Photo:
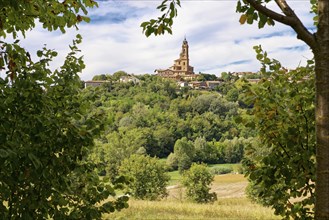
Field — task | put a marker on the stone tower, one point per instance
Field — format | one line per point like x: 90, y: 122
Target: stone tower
x: 181, y: 70
x: 184, y: 55
x: 181, y: 65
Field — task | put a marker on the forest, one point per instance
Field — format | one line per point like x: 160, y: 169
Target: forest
x: 157, y: 118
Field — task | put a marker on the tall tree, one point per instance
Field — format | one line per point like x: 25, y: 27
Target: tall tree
x: 285, y: 123
x: 257, y: 10
x: 46, y: 132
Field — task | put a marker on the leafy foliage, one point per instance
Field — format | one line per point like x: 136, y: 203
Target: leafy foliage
x: 45, y: 135
x: 205, y: 151
x: 46, y: 128
x: 250, y: 14
x: 184, y: 152
x: 148, y: 175
x: 154, y: 116
x: 232, y: 151
x: 19, y: 16
x: 282, y: 168
x: 197, y: 180
x: 172, y: 162
x: 164, y: 23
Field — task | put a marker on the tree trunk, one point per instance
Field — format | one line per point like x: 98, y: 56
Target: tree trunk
x: 322, y: 133
x: 322, y: 112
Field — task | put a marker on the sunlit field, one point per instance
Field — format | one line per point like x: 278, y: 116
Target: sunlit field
x: 231, y: 204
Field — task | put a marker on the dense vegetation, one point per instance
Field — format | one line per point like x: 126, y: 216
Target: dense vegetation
x: 148, y: 177
x: 157, y: 118
x: 46, y: 133
x: 282, y: 168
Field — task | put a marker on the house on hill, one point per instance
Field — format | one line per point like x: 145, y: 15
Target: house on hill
x: 129, y: 78
x: 181, y: 70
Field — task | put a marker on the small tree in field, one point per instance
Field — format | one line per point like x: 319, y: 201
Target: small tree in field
x: 148, y: 176
x: 197, y: 180
x: 184, y: 152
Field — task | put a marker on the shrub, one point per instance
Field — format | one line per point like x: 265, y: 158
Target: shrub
x: 184, y: 152
x: 184, y: 163
x: 197, y: 180
x: 172, y: 162
x: 148, y: 176
x: 205, y: 151
x: 221, y: 170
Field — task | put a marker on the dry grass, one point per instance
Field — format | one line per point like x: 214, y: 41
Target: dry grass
x: 232, y: 208
x: 229, y: 178
x: 231, y: 204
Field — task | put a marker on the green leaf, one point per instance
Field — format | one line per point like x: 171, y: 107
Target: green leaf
x: 86, y: 19
x: 36, y: 162
x: 4, y: 153
x: 39, y: 53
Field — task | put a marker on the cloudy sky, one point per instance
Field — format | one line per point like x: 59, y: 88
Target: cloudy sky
x: 113, y: 40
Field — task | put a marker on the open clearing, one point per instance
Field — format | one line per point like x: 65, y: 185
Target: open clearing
x: 232, y: 204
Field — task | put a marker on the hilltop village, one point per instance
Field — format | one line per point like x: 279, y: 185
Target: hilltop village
x: 182, y: 73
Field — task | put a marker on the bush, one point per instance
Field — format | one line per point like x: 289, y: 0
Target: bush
x: 172, y: 162
x: 205, y: 152
x: 148, y: 176
x: 221, y: 170
x: 197, y: 180
x: 184, y: 152
x: 184, y: 163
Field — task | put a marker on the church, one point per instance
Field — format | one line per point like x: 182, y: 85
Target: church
x: 181, y: 70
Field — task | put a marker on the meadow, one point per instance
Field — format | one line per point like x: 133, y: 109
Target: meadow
x: 232, y: 203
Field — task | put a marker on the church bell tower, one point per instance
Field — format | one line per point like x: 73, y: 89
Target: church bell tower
x: 184, y: 59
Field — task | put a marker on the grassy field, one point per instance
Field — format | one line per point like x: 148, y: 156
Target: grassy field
x: 175, y: 175
x: 231, y: 204
x: 226, y: 165
x: 230, y: 208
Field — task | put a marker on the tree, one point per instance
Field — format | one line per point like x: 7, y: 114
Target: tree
x: 149, y: 178
x: 318, y: 42
x: 205, y: 152
x: 163, y: 142
x: 232, y: 95
x: 207, y: 77
x: 280, y: 177
x: 99, y: 77
x: 197, y: 180
x: 46, y: 132
x: 184, y: 152
x: 172, y: 162
x: 116, y: 76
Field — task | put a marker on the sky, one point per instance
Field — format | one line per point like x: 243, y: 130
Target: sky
x: 114, y: 41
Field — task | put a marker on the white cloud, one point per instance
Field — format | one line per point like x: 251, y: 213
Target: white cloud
x: 114, y: 40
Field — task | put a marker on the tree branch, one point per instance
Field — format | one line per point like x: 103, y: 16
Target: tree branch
x: 289, y: 18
